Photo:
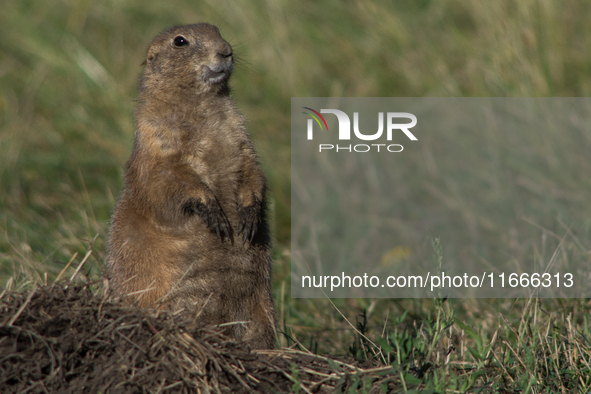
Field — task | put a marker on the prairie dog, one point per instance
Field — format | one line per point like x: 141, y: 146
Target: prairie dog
x: 189, y: 231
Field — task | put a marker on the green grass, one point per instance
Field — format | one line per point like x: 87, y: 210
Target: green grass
x: 68, y: 77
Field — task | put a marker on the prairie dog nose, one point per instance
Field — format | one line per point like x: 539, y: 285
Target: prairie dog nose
x: 225, y: 50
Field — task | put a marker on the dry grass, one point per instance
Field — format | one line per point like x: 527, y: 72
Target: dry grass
x: 70, y: 338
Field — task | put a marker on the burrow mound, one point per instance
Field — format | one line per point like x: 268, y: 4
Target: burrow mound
x: 71, y: 339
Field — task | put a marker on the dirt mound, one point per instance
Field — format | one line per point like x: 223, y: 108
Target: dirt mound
x: 69, y: 338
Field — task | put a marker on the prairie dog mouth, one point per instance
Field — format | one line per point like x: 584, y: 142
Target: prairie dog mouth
x: 218, y: 74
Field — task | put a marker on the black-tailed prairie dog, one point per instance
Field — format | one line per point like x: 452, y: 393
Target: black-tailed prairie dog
x: 189, y: 231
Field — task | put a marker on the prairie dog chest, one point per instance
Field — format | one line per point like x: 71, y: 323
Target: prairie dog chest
x: 216, y: 155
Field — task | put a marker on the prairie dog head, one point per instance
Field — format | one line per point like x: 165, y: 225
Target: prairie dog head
x: 187, y: 60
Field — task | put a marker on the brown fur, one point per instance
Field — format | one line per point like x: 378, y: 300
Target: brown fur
x: 189, y: 231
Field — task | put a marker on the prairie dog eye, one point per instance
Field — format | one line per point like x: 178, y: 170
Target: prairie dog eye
x: 180, y: 41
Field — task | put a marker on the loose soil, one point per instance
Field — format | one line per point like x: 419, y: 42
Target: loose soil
x: 69, y: 338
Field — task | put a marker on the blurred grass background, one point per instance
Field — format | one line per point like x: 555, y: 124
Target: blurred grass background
x: 69, y: 70
x: 68, y: 78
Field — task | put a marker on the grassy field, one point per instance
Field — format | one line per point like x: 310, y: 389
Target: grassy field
x: 68, y: 78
